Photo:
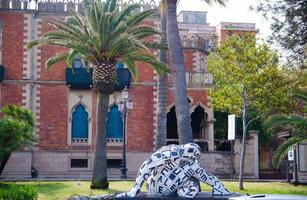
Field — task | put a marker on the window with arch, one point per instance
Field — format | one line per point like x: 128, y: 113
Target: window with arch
x: 79, y: 125
x: 198, y: 123
x: 114, y: 124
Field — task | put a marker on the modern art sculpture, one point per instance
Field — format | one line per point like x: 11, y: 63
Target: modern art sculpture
x: 172, y: 170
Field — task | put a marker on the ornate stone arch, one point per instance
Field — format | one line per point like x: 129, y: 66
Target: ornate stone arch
x: 76, y: 98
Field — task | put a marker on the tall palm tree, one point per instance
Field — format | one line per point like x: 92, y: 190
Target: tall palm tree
x: 103, y: 36
x: 296, y: 124
x: 162, y: 86
x: 178, y: 72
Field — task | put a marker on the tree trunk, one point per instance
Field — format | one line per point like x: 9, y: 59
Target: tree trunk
x: 243, y: 150
x: 3, y: 162
x: 100, y: 179
x: 178, y: 72
x: 162, y: 87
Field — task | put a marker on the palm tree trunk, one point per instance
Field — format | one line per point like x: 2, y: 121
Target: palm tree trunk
x: 243, y: 151
x: 3, y: 162
x: 162, y: 87
x: 178, y: 72
x: 100, y: 179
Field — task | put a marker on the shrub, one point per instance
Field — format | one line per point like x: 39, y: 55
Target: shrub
x: 18, y: 192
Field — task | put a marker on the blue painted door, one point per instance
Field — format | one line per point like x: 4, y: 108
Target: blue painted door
x: 114, y: 123
x: 80, y: 122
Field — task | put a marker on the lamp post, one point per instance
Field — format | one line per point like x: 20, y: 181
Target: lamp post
x: 124, y: 106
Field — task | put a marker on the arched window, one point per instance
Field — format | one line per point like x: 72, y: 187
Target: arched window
x: 198, y: 122
x: 79, y: 125
x: 114, y: 123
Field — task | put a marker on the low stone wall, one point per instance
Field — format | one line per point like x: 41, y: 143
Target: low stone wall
x: 56, y: 164
x: 18, y: 166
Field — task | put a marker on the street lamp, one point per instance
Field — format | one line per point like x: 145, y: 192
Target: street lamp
x: 124, y: 106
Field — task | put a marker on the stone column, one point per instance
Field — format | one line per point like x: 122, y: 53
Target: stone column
x: 210, y: 129
x: 254, y: 136
x: 251, y: 163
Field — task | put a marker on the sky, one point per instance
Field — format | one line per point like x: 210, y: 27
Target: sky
x: 235, y: 11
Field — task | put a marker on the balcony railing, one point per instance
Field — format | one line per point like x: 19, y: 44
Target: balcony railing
x: 195, y: 42
x: 80, y: 78
x: 196, y: 80
x: 1, y: 73
x: 79, y: 140
x: 114, y: 141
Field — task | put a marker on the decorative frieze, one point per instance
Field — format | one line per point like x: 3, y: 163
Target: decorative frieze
x: 65, y: 6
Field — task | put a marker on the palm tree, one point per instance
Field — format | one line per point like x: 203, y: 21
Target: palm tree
x: 103, y: 36
x: 162, y: 86
x: 178, y: 72
x: 296, y: 124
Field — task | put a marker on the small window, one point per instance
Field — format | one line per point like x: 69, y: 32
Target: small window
x: 114, y: 163
x: 79, y: 163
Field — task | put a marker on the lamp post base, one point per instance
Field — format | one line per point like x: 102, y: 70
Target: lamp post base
x: 123, y: 173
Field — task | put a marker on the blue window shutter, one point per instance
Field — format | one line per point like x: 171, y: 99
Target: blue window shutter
x: 79, y: 122
x: 114, y: 123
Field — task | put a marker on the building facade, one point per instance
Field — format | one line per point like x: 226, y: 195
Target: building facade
x: 64, y: 104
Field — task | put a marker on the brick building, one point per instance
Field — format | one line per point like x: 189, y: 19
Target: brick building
x: 64, y: 104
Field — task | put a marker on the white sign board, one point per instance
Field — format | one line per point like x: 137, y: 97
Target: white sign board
x: 291, y: 154
x: 231, y: 127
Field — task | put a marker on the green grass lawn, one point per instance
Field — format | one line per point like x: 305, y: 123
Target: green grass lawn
x: 61, y: 190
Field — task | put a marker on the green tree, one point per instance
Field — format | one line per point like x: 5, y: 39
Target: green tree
x: 289, y: 26
x: 178, y: 72
x: 16, y: 131
x: 247, y: 78
x: 103, y: 36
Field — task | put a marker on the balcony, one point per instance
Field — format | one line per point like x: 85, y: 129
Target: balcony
x: 80, y: 78
x: 1, y: 73
x: 123, y: 79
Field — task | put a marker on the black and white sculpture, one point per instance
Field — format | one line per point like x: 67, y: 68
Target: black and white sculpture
x: 169, y: 170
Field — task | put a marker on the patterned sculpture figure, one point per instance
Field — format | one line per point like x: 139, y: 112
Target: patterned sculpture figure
x: 170, y: 170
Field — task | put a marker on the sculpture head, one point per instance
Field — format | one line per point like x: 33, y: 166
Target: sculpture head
x: 190, y: 151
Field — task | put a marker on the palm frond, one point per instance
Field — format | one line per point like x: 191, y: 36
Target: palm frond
x: 104, y: 34
x: 133, y: 69
x: 139, y: 17
x: 293, y: 122
x: 71, y: 57
x: 161, y: 68
x: 283, y: 149
x: 56, y: 59
x: 300, y: 95
x: 156, y: 45
x: 221, y: 2
x: 121, y: 16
